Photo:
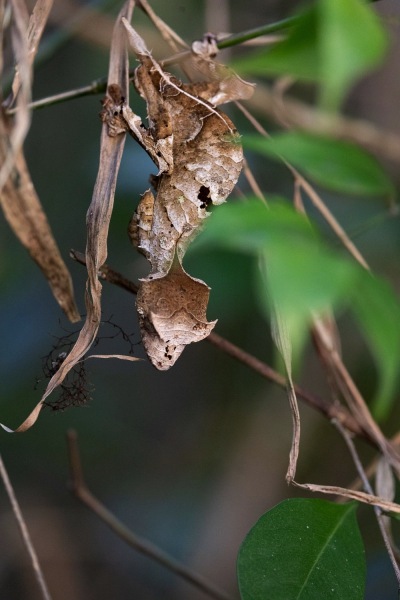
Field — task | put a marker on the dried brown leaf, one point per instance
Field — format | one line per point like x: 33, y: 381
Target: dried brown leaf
x: 33, y: 34
x: 25, y: 215
x: 196, y: 149
x: 18, y: 198
x: 172, y: 313
x: 16, y: 134
x: 98, y: 218
x: 26, y: 34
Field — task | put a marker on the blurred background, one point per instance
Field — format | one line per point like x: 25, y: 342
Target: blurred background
x: 188, y: 458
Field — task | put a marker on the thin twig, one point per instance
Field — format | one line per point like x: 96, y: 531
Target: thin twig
x: 384, y: 143
x: 81, y: 491
x: 370, y: 470
x: 24, y: 532
x: 251, y: 180
x: 331, y: 411
x: 167, y: 33
x: 240, y: 38
x: 360, y: 410
x: 331, y: 220
x: 263, y: 369
x: 99, y: 86
x: 368, y: 488
x: 237, y: 38
x: 234, y: 40
x: 96, y: 87
x: 311, y: 193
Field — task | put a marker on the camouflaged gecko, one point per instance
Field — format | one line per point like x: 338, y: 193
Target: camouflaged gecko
x: 197, y: 151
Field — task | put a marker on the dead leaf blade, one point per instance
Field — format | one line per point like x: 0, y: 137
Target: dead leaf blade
x: 34, y: 31
x: 201, y: 160
x: 98, y: 218
x: 24, y: 213
x: 12, y: 142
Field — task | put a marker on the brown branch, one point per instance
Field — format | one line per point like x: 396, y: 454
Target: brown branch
x: 24, y: 532
x: 331, y: 411
x: 81, y: 491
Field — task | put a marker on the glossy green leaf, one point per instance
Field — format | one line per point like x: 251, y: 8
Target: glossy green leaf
x: 337, y: 165
x: 303, y: 549
x: 302, y: 277
x: 333, y: 43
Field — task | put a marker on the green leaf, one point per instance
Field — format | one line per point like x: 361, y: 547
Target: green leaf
x: 303, y: 549
x: 296, y: 56
x: 333, y: 43
x: 337, y: 165
x: 247, y: 226
x: 378, y: 312
x: 351, y: 43
x: 303, y: 277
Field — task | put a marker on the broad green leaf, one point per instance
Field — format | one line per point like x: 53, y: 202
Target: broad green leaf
x: 337, y: 165
x: 303, y: 277
x: 248, y: 225
x: 351, y: 43
x: 303, y: 549
x: 333, y: 43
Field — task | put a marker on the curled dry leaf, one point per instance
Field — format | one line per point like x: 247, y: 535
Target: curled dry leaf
x: 199, y: 159
x: 26, y: 217
x: 98, y: 219
x: 32, y: 36
x: 22, y: 83
x: 26, y: 32
x: 18, y: 198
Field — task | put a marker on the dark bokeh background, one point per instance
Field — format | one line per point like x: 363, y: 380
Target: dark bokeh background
x: 192, y: 457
